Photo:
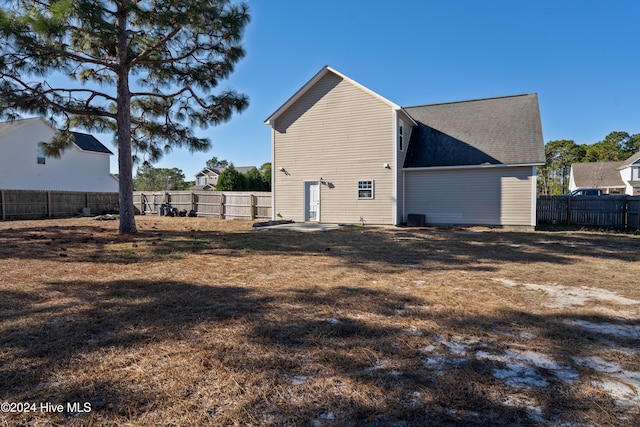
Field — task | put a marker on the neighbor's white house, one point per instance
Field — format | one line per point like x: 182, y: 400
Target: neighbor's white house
x: 344, y: 154
x: 612, y: 177
x: 23, y: 166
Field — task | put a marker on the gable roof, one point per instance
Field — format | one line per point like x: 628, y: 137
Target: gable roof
x: 496, y: 131
x: 631, y: 160
x: 88, y: 142
x: 218, y: 171
x: 324, y: 71
x: 12, y: 125
x: 208, y: 172
x: 597, y: 174
x: 83, y: 141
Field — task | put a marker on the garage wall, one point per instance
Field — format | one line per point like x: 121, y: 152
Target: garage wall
x: 484, y: 196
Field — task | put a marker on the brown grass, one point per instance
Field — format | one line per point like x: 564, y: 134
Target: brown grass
x: 204, y: 322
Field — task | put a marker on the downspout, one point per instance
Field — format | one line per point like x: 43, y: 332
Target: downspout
x: 404, y: 195
x: 273, y: 169
x: 534, y: 198
x: 394, y: 218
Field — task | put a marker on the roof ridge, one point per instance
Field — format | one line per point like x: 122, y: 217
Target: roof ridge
x: 472, y: 100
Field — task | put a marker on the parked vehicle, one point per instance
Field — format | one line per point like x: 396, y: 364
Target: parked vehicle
x: 586, y: 192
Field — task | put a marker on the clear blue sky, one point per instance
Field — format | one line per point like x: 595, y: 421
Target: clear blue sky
x: 582, y: 58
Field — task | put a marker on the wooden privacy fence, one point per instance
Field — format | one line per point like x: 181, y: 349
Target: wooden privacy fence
x: 610, y: 211
x: 28, y: 204
x: 218, y: 204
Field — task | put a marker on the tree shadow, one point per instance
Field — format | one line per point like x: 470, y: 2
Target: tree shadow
x: 386, y: 249
x: 314, y: 356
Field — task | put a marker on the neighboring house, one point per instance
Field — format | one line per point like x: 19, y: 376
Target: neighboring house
x: 207, y: 179
x: 23, y: 166
x: 344, y: 154
x: 612, y: 177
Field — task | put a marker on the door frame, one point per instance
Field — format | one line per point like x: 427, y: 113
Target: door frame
x: 307, y: 200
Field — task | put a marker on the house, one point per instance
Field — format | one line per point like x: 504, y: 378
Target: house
x: 207, y: 178
x: 23, y: 166
x: 613, y: 177
x: 344, y: 154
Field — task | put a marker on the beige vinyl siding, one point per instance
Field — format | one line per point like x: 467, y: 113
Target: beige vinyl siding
x: 484, y: 196
x: 400, y: 156
x: 343, y: 134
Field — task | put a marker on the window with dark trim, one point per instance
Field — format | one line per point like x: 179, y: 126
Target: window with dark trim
x: 41, y: 159
x: 401, y: 136
x: 365, y: 189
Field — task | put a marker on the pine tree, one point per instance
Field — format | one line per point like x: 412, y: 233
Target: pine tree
x: 178, y: 51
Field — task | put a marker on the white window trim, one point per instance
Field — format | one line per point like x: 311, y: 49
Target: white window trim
x: 373, y: 189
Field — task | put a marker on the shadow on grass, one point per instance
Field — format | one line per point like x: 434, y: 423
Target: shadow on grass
x: 141, y: 352
x: 385, y: 249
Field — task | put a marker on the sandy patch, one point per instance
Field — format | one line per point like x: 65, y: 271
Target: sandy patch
x: 621, y: 384
x: 560, y: 296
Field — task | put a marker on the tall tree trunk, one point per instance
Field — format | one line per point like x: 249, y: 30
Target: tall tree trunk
x: 125, y: 160
x: 123, y: 120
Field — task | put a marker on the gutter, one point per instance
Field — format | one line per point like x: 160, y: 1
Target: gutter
x: 482, y: 166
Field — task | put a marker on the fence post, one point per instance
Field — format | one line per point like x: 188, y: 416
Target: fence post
x: 252, y: 202
x: 193, y: 201
x: 2, y: 202
x: 222, y: 200
x: 49, y: 203
x: 568, y: 210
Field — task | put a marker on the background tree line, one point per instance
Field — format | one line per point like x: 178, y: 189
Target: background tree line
x: 149, y: 178
x: 553, y: 177
x: 253, y: 180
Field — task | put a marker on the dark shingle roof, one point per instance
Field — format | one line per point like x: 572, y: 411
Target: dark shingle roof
x: 89, y: 143
x: 504, y: 130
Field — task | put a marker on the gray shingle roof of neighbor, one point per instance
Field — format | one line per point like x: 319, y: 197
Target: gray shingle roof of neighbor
x: 598, y: 174
x: 504, y: 130
x: 601, y: 174
x: 88, y: 142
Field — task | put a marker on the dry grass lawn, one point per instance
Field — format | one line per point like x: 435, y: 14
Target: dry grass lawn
x: 196, y: 322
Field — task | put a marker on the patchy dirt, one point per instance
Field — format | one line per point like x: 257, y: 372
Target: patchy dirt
x: 567, y: 296
x: 203, y: 322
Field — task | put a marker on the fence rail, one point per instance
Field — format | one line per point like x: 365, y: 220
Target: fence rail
x: 602, y: 211
x: 217, y: 204
x: 28, y: 204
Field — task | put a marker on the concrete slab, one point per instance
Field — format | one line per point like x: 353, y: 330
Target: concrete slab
x: 302, y: 226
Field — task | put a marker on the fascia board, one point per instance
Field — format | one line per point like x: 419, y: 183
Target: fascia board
x: 326, y: 69
x: 488, y: 166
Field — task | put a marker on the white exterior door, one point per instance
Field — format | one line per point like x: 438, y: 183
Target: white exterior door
x: 312, y: 201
